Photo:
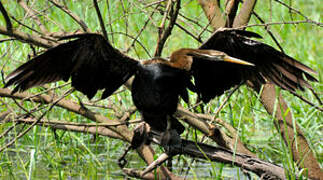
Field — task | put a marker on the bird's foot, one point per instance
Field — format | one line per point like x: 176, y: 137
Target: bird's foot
x: 171, y: 141
x: 122, y: 161
x: 140, y: 136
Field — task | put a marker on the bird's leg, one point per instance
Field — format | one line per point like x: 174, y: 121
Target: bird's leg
x: 140, y: 136
x: 122, y: 160
x: 170, y: 139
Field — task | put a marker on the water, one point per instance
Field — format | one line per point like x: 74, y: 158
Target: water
x: 76, y: 156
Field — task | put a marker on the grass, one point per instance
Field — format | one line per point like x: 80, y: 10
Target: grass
x: 45, y: 153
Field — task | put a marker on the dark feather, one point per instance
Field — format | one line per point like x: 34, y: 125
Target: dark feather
x: 270, y: 65
x: 90, y: 61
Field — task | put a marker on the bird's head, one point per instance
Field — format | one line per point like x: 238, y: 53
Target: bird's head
x: 183, y: 58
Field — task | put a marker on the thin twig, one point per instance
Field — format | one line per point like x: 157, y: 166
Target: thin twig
x: 72, y: 15
x: 34, y: 15
x: 134, y: 38
x: 309, y: 102
x: 27, y: 38
x: 281, y: 23
x: 85, y: 125
x: 34, y: 123
x: 6, y: 17
x: 98, y: 13
x: 110, y: 21
x: 139, y: 33
x: 47, y: 90
x: 269, y: 32
x: 165, y: 34
x: 225, y: 102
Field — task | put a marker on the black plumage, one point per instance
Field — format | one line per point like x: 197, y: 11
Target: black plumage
x: 93, y: 64
x: 270, y: 65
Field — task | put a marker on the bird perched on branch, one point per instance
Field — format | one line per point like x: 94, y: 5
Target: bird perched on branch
x: 228, y: 58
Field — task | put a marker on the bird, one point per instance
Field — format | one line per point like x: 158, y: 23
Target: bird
x: 226, y: 59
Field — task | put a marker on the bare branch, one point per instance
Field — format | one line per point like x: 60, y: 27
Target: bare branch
x: 213, y: 13
x: 244, y: 15
x: 165, y: 34
x: 72, y: 15
x: 262, y: 168
x: 301, y: 151
x: 231, y: 8
x: 34, y: 15
x: 73, y: 107
x: 6, y: 17
x: 97, y: 9
x: 199, y: 121
x: 69, y: 126
x: 24, y: 37
x: 34, y: 123
x: 284, y: 23
x: 258, y: 166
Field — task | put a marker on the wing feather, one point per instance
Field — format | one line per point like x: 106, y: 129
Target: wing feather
x: 270, y: 65
x: 89, y: 60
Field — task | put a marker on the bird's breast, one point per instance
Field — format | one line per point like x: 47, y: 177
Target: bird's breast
x: 155, y: 88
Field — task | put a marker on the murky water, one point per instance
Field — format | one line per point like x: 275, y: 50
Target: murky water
x: 81, y: 158
x: 104, y: 166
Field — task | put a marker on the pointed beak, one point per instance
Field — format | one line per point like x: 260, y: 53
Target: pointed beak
x: 236, y: 61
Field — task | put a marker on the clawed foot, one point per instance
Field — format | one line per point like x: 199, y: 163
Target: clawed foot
x: 122, y: 160
x: 171, y: 141
x: 140, y: 136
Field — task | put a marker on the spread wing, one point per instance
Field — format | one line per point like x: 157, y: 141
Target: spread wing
x: 213, y: 78
x: 90, y: 61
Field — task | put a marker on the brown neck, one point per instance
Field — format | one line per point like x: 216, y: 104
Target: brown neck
x: 180, y: 59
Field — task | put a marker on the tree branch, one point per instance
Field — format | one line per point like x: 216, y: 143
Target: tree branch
x: 33, y: 15
x: 72, y: 15
x: 97, y: 9
x: 122, y: 132
x: 6, y: 17
x: 245, y: 13
x: 166, y: 33
x: 213, y: 13
x: 24, y: 37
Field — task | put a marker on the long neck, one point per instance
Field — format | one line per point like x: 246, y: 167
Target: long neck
x: 180, y: 59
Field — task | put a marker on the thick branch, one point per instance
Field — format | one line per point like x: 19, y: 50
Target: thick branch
x: 6, y: 17
x: 121, y: 131
x: 231, y: 11
x: 244, y: 15
x: 213, y: 13
x: 199, y: 122
x: 258, y: 166
x: 73, y: 107
x: 301, y: 151
x: 24, y: 37
x: 263, y: 169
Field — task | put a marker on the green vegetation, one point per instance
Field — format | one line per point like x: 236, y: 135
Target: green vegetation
x: 44, y: 152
